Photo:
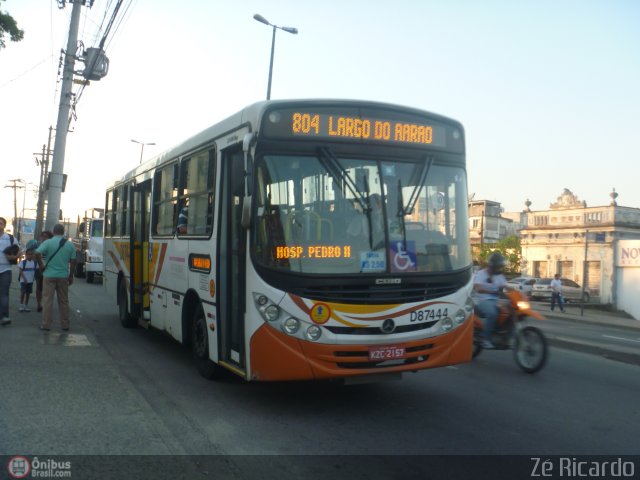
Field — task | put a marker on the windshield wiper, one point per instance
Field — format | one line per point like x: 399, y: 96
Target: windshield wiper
x: 340, y: 176
x: 415, y: 194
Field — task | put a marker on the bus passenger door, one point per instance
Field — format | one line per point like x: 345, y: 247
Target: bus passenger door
x: 232, y: 261
x: 139, y: 211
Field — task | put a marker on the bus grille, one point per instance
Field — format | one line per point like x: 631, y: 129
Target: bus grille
x: 374, y: 294
x: 376, y: 331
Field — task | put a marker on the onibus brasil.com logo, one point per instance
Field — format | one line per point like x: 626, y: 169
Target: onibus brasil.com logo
x: 21, y: 467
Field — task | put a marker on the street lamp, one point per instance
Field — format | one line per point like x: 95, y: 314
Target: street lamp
x: 142, y: 144
x: 261, y: 19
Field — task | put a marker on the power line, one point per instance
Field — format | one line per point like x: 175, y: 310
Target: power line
x: 26, y: 71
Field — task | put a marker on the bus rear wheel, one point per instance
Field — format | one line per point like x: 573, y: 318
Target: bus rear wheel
x: 126, y: 319
x: 200, y: 346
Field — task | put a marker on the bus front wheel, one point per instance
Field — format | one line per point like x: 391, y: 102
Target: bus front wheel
x: 200, y: 346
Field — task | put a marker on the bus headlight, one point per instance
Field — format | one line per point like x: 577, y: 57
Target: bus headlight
x: 261, y: 300
x: 460, y: 316
x: 271, y: 313
x: 291, y: 325
x: 447, y: 324
x: 313, y: 333
x: 468, y: 305
x: 268, y: 310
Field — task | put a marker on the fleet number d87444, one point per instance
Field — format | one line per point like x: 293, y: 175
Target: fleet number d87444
x: 428, y: 314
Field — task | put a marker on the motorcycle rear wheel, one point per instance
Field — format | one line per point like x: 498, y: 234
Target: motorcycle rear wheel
x: 530, y: 350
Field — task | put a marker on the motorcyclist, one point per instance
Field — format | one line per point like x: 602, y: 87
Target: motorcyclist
x: 486, y: 286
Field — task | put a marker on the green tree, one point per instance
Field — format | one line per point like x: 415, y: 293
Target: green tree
x: 9, y: 26
x: 510, y: 248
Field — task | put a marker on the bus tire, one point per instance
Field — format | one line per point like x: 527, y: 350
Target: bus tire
x: 126, y: 319
x: 200, y: 345
x: 90, y: 277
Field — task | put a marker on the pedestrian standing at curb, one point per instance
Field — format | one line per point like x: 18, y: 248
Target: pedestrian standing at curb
x: 33, y: 245
x: 27, y: 269
x: 9, y: 253
x: 57, y: 274
x: 556, y: 293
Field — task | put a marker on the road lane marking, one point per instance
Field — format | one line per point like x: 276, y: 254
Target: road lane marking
x: 621, y: 338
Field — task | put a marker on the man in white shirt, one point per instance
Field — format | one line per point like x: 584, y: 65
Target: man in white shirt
x: 486, y: 287
x: 556, y: 293
x: 6, y: 262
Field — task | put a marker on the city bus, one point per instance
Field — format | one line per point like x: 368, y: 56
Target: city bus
x: 301, y: 240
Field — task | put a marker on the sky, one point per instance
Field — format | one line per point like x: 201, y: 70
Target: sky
x: 548, y: 91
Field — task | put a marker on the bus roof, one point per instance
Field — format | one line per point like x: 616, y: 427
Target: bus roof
x: 252, y: 115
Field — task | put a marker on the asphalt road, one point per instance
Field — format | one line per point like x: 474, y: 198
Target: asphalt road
x: 105, y: 390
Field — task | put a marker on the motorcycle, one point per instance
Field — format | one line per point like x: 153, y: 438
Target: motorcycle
x: 528, y: 343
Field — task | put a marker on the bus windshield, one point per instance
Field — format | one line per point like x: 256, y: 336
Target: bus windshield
x: 328, y: 214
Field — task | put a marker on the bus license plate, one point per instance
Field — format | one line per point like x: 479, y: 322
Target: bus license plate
x: 388, y: 352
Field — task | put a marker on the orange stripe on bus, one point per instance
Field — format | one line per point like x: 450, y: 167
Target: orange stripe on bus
x: 277, y: 356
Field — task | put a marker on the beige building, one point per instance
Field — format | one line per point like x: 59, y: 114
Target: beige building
x: 488, y: 223
x: 580, y: 243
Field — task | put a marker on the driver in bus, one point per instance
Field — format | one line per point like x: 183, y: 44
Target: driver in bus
x: 358, y: 226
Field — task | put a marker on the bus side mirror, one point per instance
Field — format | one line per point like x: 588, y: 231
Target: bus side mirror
x: 245, y: 220
x: 248, y: 139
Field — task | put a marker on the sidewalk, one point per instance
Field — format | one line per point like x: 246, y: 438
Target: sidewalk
x: 63, y: 394
x: 589, y: 314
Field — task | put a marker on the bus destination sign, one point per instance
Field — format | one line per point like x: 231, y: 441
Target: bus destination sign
x: 337, y: 126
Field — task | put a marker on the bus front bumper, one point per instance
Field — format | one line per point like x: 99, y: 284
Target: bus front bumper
x: 276, y: 356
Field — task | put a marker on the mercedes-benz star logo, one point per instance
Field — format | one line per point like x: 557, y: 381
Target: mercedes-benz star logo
x: 388, y: 326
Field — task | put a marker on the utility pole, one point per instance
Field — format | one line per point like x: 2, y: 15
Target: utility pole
x: 44, y: 170
x: 585, y: 269
x: 15, y: 186
x: 62, y: 125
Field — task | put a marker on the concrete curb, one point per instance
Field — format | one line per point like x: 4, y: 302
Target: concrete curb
x: 609, y: 322
x: 620, y: 355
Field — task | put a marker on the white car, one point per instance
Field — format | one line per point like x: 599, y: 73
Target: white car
x: 571, y: 291
x: 522, y: 284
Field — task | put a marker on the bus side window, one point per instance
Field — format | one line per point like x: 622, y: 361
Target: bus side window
x: 195, y: 194
x: 165, y: 200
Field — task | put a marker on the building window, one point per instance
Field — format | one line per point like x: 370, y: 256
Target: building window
x: 593, y: 217
x: 539, y: 269
x: 594, y: 277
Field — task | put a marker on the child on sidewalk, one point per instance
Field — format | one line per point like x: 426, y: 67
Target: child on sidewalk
x: 27, y: 268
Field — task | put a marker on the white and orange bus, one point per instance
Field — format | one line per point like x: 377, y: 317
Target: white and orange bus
x: 301, y: 239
